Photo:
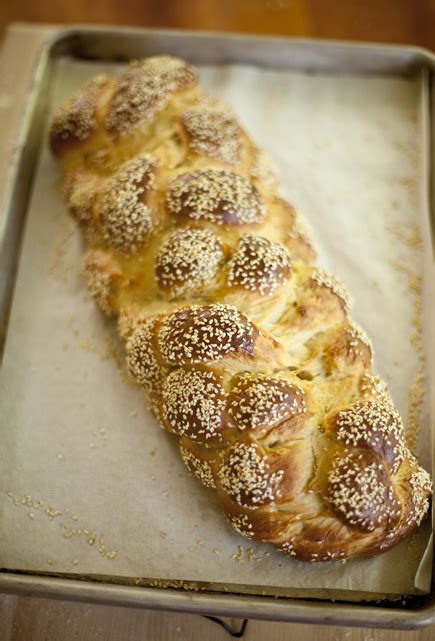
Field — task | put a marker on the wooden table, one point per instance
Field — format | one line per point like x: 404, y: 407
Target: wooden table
x: 400, y: 21
x: 404, y: 21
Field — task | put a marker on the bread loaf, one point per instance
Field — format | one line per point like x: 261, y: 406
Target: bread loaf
x: 245, y: 349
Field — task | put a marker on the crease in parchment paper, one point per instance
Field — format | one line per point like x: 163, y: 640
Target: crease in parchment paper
x: 89, y: 483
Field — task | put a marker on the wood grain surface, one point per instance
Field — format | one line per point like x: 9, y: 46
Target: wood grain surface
x: 396, y: 21
x: 399, y: 21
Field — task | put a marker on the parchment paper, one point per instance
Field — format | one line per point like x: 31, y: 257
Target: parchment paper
x: 89, y: 483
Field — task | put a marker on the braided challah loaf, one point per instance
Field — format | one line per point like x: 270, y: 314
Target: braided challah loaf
x: 244, y: 348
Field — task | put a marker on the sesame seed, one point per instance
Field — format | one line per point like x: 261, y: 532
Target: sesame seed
x: 76, y: 118
x: 321, y: 278
x: 287, y: 548
x: 356, y: 336
x: 193, y: 403
x: 125, y: 215
x: 259, y: 265
x: 200, y: 468
x: 188, y: 260
x: 144, y: 88
x: 258, y: 400
x: 80, y: 193
x: 241, y: 524
x: 219, y: 196
x: 421, y: 488
x: 101, y: 279
x: 373, y: 387
x: 213, y: 132
x: 359, y: 492
x: 128, y: 323
x: 141, y: 359
x: 245, y: 476
x: 374, y: 425
x: 205, y: 333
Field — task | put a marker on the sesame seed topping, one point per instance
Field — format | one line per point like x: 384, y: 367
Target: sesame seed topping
x: 258, y: 400
x: 287, y: 548
x: 241, y: 524
x: 141, y: 359
x: 259, y: 265
x: 205, y: 333
x: 265, y: 170
x: 101, y: 279
x: 193, y: 403
x: 360, y: 491
x: 221, y: 197
x: 188, y: 260
x: 357, y: 335
x: 421, y: 486
x: 375, y: 387
x: 129, y: 319
x: 245, y: 476
x: 322, y: 278
x: 376, y: 426
x: 214, y: 133
x: 124, y: 213
x: 144, y: 88
x: 201, y: 469
x: 76, y: 118
x: 99, y: 287
x: 80, y: 195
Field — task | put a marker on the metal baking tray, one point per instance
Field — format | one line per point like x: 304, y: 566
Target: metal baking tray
x: 104, y: 44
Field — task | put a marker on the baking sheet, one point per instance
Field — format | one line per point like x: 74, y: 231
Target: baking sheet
x: 89, y: 483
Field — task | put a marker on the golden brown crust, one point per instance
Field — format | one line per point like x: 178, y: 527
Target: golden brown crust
x: 124, y: 211
x: 259, y: 265
x: 244, y: 348
x: 375, y: 426
x: 199, y: 460
x: 77, y: 120
x: 258, y: 403
x: 143, y: 358
x: 193, y: 404
x: 80, y: 193
x: 188, y: 260
x: 208, y: 333
x: 214, y: 133
x: 104, y: 277
x: 297, y: 235
x: 248, y: 477
x: 144, y: 88
x: 360, y: 492
x: 219, y: 196
x: 348, y: 349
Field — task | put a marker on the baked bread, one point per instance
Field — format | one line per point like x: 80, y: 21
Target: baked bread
x: 244, y: 347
